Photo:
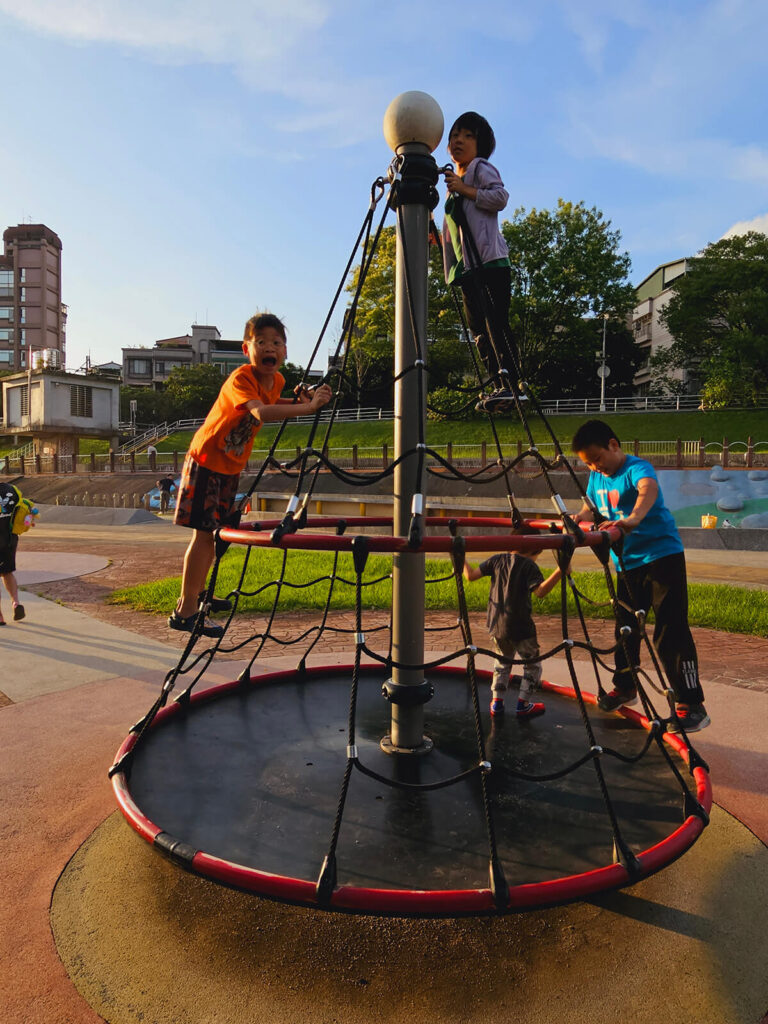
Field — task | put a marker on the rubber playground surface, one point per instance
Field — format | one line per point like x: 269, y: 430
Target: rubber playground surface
x: 95, y: 926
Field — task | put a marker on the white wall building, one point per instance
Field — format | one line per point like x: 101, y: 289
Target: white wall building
x: 151, y: 367
x: 653, y: 293
x: 55, y: 408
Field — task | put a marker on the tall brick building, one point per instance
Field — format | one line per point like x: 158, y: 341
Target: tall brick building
x: 32, y: 316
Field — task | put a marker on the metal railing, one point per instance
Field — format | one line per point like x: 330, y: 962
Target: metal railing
x: 646, y: 403
x: 671, y: 454
x: 158, y: 433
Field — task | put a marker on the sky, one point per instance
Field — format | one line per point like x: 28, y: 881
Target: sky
x: 204, y: 159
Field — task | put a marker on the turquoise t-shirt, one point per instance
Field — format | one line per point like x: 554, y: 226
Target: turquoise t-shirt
x: 615, y: 497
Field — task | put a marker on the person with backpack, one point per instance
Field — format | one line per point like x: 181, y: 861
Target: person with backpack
x: 15, y: 510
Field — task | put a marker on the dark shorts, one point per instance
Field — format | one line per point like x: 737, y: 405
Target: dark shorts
x: 8, y: 554
x: 205, y: 498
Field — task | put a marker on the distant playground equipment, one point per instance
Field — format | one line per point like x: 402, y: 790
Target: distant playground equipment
x: 380, y: 786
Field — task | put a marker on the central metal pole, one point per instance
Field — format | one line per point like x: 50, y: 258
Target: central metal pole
x: 410, y: 424
x: 602, y: 368
x: 413, y: 125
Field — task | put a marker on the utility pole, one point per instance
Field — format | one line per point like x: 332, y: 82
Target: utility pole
x: 604, y: 371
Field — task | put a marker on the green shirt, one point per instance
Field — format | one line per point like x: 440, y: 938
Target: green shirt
x: 458, y: 270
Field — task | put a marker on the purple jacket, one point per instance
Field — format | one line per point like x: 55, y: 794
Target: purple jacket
x: 482, y: 217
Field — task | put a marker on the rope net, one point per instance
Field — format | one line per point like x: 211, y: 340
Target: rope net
x: 352, y: 560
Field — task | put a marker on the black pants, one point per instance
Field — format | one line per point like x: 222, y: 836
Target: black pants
x: 487, y: 292
x: 663, y: 586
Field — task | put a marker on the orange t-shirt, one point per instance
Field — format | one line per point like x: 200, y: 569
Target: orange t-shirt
x: 225, y: 440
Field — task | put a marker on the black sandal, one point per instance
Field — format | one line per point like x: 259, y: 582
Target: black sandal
x: 175, y: 621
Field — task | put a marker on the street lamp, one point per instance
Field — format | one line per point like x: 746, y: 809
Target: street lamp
x: 603, y: 370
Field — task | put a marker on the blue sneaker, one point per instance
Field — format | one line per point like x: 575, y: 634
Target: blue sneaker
x: 497, y: 706
x: 529, y: 709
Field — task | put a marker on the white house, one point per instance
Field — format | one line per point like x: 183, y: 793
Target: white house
x: 54, y: 408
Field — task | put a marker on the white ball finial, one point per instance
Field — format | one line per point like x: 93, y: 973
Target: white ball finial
x: 413, y: 117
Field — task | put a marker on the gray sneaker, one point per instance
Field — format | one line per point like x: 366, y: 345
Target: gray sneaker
x: 691, y: 717
x: 497, y: 401
x: 617, y: 699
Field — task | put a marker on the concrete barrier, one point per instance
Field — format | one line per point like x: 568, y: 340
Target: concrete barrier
x: 724, y: 540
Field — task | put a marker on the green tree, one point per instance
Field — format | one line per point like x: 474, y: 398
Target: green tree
x: 567, y: 270
x: 574, y: 372
x: 293, y: 373
x: 194, y: 389
x: 371, y: 357
x: 152, y: 407
x: 718, y: 318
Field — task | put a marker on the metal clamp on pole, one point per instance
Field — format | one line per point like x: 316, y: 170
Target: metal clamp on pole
x: 416, y: 528
x: 408, y: 695
x: 289, y: 523
x: 418, y: 177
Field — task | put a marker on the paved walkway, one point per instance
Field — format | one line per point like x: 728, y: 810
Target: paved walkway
x: 77, y: 684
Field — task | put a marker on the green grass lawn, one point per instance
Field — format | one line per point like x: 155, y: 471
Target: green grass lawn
x: 732, y: 609
x: 688, y: 426
x: 736, y: 425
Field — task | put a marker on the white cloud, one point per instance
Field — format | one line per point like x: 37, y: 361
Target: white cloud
x: 741, y: 227
x: 227, y: 31
x: 289, y: 49
x: 685, y: 68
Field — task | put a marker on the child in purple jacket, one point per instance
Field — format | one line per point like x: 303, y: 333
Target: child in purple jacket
x: 475, y: 255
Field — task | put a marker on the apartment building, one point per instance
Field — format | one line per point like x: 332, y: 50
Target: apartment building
x: 151, y: 367
x: 653, y: 293
x: 32, y: 316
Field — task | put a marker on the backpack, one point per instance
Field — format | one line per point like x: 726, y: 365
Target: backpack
x: 23, y: 516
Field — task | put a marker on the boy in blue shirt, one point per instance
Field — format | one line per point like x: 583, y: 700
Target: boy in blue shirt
x: 625, y: 492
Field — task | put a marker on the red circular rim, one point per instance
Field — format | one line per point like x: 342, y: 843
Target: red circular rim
x: 260, y: 535
x: 449, y: 902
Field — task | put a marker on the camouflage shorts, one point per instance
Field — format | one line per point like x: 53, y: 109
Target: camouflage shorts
x: 205, y: 498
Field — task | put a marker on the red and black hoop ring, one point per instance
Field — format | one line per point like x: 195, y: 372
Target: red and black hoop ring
x: 260, y: 534
x: 241, y: 786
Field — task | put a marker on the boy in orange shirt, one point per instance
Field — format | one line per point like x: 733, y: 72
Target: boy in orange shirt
x: 219, y: 452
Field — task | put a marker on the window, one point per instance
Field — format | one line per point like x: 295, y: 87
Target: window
x: 23, y: 274
x: 22, y: 336
x: 6, y: 357
x: 22, y: 294
x: 6, y: 334
x: 159, y: 366
x: 24, y: 399
x: 80, y: 400
x: 140, y: 367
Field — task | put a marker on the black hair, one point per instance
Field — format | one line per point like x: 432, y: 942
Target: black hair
x: 528, y: 531
x: 259, y: 322
x: 593, y: 432
x: 476, y: 123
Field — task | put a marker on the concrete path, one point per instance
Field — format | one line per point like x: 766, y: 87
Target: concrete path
x: 47, y: 566
x: 55, y: 649
x: 78, y: 684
